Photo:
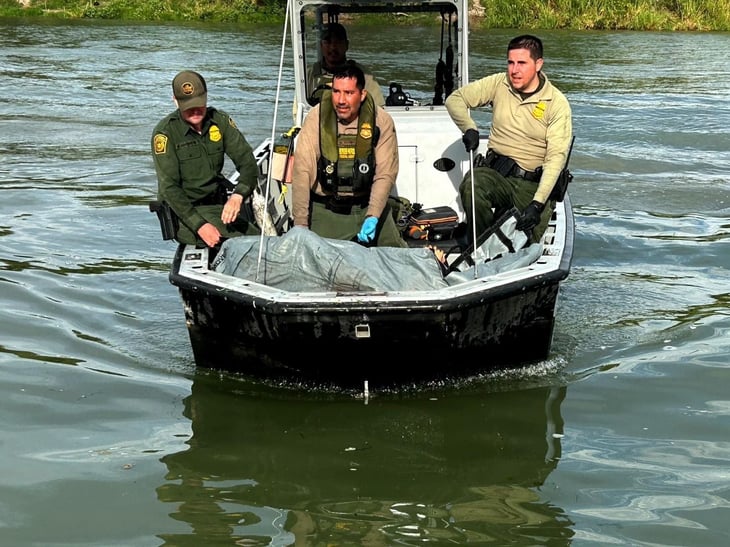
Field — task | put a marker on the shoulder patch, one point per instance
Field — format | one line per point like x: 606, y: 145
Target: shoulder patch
x: 231, y: 122
x: 160, y: 143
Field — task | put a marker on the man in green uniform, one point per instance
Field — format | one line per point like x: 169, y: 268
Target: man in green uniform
x: 529, y: 140
x: 334, y: 45
x: 189, y: 147
x: 345, y: 165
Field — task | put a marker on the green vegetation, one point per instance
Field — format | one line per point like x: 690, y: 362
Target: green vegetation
x: 703, y: 15
x: 609, y: 14
x: 221, y: 11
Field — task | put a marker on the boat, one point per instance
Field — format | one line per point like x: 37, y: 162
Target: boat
x: 375, y: 336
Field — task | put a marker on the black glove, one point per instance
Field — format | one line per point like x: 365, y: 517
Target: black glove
x: 530, y: 216
x: 470, y: 139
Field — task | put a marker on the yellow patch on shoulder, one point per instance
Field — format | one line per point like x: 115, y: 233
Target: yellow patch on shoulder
x: 215, y: 133
x: 366, y: 131
x: 539, y: 111
x: 231, y: 122
x: 160, y: 143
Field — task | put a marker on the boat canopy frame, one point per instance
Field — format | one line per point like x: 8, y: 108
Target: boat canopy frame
x: 310, y: 17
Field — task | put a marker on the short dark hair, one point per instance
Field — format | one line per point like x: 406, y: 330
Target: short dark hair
x: 529, y: 42
x: 350, y: 70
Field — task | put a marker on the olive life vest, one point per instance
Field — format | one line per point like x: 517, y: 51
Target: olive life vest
x: 338, y: 170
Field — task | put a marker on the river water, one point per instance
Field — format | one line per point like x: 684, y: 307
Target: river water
x: 110, y: 436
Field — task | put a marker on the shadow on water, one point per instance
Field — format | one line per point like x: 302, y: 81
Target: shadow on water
x: 271, y: 467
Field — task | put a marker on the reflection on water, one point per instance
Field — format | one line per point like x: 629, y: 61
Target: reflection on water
x: 274, y: 468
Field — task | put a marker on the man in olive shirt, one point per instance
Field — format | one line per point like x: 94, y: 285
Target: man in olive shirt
x: 189, y: 147
x: 334, y: 45
x: 529, y: 140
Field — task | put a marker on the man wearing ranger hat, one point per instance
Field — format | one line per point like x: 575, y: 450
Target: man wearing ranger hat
x: 189, y: 147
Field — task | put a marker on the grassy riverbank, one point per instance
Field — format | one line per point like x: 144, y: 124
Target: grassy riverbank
x: 703, y: 15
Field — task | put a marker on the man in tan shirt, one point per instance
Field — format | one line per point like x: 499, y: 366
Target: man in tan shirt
x: 529, y: 139
x: 345, y: 166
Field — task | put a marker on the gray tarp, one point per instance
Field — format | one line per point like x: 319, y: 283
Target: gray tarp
x: 300, y: 260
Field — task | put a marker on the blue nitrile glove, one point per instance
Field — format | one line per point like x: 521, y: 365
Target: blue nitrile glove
x: 367, y: 230
x: 470, y: 138
x: 530, y: 216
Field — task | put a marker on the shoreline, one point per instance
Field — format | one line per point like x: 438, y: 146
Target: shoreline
x: 632, y: 15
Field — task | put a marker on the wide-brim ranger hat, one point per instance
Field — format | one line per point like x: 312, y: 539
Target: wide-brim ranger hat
x: 190, y: 90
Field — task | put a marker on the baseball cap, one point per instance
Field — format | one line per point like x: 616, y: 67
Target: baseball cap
x: 190, y: 90
x: 334, y: 31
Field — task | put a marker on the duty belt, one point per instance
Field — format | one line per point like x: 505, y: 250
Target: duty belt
x: 217, y: 197
x: 501, y: 164
x: 340, y: 204
x: 517, y: 171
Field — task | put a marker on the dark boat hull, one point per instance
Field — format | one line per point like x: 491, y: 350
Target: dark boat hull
x: 383, y: 344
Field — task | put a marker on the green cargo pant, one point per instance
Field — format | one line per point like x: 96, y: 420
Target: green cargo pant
x: 333, y: 225
x: 495, y: 193
x: 212, y: 213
